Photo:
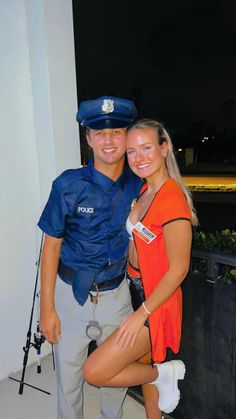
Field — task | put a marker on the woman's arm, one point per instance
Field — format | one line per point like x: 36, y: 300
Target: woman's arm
x: 178, y: 238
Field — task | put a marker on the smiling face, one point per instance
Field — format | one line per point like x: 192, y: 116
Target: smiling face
x: 109, y: 146
x: 146, y: 156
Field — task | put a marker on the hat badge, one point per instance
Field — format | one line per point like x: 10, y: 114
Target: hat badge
x: 108, y: 106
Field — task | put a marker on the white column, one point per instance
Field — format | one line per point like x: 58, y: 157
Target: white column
x: 52, y: 62
x: 39, y: 139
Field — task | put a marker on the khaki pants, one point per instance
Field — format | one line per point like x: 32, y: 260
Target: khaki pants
x: 72, y: 349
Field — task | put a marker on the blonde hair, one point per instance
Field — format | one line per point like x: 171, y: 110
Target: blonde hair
x: 171, y: 164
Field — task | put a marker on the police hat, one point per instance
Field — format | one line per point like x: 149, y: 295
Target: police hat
x: 106, y: 112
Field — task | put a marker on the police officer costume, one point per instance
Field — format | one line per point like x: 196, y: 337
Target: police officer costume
x: 89, y: 211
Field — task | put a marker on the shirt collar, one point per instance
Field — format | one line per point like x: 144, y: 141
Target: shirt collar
x: 105, y: 182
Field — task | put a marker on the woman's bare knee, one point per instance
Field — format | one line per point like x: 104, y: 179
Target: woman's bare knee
x: 97, y: 367
x: 93, y: 373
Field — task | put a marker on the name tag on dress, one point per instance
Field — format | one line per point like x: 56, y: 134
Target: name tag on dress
x: 143, y: 233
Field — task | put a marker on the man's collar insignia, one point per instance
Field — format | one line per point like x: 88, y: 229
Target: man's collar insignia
x: 108, y: 106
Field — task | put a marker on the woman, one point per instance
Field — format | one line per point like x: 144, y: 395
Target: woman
x: 160, y: 226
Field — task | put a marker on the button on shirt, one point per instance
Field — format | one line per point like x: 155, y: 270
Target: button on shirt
x: 89, y: 211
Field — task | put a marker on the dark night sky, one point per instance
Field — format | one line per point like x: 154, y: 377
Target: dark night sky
x: 178, y: 57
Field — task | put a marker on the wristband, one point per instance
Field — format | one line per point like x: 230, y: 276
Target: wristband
x: 145, y: 308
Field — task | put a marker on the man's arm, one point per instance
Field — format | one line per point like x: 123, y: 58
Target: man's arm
x: 49, y: 320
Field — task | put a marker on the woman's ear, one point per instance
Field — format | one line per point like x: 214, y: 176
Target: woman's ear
x: 164, y: 148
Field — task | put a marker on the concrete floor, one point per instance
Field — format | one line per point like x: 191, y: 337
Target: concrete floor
x: 34, y: 404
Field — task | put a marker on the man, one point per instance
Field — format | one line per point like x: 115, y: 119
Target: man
x: 84, y: 253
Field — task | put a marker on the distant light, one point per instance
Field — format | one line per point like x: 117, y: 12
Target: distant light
x: 206, y: 138
x: 203, y: 141
x: 212, y: 138
x: 180, y: 149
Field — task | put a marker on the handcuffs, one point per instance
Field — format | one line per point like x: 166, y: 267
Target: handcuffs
x: 94, y: 330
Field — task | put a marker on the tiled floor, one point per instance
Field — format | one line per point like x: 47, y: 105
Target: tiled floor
x: 34, y: 404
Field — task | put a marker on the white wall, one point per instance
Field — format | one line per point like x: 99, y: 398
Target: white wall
x: 39, y: 138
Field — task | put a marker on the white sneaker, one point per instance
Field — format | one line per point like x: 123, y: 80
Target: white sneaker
x: 167, y: 384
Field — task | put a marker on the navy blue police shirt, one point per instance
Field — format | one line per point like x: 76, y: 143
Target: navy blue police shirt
x: 89, y: 211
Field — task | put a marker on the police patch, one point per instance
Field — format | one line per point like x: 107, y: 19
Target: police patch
x: 86, y: 210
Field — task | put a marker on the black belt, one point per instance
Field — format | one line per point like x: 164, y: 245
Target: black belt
x: 110, y: 284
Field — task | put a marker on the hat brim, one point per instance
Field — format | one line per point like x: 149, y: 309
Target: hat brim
x: 108, y: 121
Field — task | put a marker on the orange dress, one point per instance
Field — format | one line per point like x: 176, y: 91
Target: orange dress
x: 165, y: 322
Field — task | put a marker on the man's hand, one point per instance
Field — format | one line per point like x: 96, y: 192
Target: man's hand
x: 50, y: 325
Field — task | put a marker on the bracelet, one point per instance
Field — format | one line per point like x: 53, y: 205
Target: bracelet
x: 145, y: 308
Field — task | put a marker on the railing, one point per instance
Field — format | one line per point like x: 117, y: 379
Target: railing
x: 214, y: 260
x: 209, y: 341
x: 208, y: 345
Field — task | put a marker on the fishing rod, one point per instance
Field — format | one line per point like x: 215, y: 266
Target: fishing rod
x: 39, y: 339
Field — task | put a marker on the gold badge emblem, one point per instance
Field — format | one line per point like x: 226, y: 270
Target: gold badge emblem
x: 134, y: 202
x: 108, y: 106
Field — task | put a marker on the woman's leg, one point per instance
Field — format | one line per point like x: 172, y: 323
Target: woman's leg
x: 112, y: 367
x: 150, y: 394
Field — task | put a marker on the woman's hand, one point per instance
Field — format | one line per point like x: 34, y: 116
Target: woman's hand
x: 130, y: 328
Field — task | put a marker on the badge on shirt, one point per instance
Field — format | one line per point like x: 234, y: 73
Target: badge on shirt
x: 85, y: 210
x: 143, y: 233
x: 133, y: 204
